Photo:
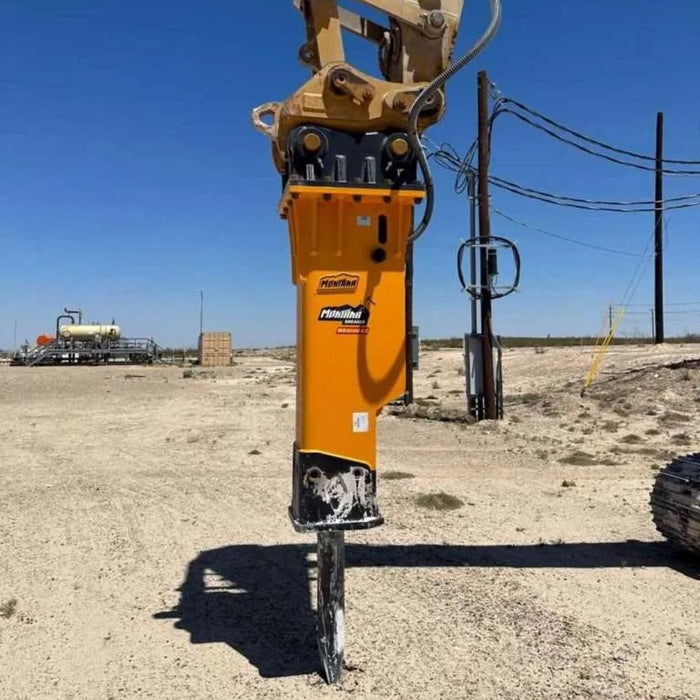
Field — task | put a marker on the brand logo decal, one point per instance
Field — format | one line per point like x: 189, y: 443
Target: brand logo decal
x: 346, y: 315
x: 338, y: 284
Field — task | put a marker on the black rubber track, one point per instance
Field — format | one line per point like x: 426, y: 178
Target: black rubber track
x: 675, y: 503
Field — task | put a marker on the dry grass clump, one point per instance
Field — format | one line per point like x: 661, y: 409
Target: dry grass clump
x: 394, y: 475
x: 523, y: 398
x: 631, y: 439
x: 579, y: 458
x: 438, y: 501
x: 431, y: 412
x: 674, y: 417
x: 681, y: 439
x: 8, y: 608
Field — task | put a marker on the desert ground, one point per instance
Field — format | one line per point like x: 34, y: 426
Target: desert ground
x: 146, y: 550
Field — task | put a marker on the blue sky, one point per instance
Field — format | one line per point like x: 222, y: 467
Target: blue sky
x: 131, y: 177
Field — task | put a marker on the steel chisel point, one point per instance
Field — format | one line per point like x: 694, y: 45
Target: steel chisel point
x: 330, y: 562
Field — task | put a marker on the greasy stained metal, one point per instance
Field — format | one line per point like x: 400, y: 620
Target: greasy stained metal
x: 331, y: 492
x: 330, y: 562
x: 675, y: 503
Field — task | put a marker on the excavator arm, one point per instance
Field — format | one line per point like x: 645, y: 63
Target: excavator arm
x: 414, y: 48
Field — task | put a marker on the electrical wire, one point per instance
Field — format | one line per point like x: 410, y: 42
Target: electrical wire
x: 560, y: 237
x: 579, y: 200
x: 421, y: 101
x: 447, y: 157
x: 589, y: 139
x: 636, y: 275
x: 671, y: 303
x: 590, y: 205
x: 590, y: 151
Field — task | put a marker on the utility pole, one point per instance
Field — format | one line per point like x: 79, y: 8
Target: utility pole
x: 653, y: 324
x: 484, y: 237
x: 659, y: 233
x: 201, y: 311
x: 14, y: 339
x: 610, y: 317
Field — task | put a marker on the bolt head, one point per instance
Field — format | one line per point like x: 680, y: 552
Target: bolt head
x: 399, y: 147
x: 311, y: 142
x: 436, y: 19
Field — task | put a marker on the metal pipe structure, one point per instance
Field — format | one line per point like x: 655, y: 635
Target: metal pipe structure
x: 471, y: 193
x: 78, y: 312
x: 58, y: 323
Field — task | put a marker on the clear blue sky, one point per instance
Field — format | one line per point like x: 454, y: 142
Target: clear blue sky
x: 130, y: 177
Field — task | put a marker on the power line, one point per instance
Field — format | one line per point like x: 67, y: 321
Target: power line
x: 636, y: 275
x: 447, y: 157
x: 583, y: 137
x: 589, y: 204
x: 560, y: 236
x: 669, y: 303
x: 580, y: 147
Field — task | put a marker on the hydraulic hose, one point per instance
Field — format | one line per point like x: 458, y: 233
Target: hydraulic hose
x: 425, y: 95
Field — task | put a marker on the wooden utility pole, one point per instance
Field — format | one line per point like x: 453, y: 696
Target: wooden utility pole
x: 484, y: 237
x: 659, y: 233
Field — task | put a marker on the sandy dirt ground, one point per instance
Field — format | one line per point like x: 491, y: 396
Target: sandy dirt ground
x: 145, y: 543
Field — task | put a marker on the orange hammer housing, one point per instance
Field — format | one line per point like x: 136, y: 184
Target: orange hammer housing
x: 349, y: 203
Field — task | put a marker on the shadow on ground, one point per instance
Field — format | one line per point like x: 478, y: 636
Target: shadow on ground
x: 257, y: 599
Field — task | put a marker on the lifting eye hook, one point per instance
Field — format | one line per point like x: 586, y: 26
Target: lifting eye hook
x: 269, y: 109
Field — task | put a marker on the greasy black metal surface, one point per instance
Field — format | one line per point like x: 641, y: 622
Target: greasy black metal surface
x: 350, y: 160
x: 332, y: 493
x: 675, y: 503
x: 330, y: 602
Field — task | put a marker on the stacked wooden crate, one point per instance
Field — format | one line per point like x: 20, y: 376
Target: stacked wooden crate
x: 214, y: 349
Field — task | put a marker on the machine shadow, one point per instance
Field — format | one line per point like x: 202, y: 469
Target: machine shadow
x: 257, y: 598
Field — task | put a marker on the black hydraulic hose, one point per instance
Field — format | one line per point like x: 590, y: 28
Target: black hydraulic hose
x: 460, y: 274
x: 420, y: 102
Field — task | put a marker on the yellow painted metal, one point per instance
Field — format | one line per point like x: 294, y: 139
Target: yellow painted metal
x: 350, y: 361
x: 601, y: 347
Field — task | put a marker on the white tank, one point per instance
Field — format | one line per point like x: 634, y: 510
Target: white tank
x: 89, y: 332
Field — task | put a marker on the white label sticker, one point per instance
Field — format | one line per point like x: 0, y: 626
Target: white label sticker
x: 364, y: 220
x: 360, y: 422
